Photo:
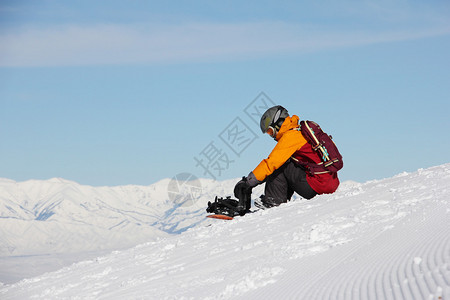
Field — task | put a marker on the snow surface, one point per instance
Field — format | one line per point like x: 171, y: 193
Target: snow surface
x: 384, y: 239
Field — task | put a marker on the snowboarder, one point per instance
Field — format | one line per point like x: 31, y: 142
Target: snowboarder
x: 283, y: 171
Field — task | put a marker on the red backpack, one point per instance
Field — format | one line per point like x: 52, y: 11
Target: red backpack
x: 324, y: 146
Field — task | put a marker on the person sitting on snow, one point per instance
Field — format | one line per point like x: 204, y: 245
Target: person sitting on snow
x: 284, y: 170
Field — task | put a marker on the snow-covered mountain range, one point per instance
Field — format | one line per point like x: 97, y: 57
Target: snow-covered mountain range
x: 383, y: 239
x: 61, y: 216
x: 63, y: 221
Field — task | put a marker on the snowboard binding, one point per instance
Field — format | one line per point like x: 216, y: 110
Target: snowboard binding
x: 230, y: 207
x: 224, y: 206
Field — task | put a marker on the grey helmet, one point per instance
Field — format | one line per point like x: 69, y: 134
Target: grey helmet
x: 273, y: 117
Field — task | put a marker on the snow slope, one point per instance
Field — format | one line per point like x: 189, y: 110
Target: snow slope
x: 386, y: 239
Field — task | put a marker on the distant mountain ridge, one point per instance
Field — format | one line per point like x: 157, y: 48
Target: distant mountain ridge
x: 61, y: 216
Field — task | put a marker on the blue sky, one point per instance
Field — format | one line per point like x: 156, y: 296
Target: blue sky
x: 131, y: 92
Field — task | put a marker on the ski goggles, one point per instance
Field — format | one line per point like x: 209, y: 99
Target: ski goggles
x: 271, y: 131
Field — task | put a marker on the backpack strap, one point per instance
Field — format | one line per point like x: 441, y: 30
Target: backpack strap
x: 310, y: 166
x: 318, y: 145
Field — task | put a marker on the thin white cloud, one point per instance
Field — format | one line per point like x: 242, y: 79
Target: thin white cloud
x: 146, y: 44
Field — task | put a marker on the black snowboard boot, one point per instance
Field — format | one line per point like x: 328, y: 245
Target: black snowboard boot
x: 265, y: 202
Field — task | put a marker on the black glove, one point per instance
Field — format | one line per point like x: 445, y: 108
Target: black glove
x: 242, y: 188
x: 243, y: 191
x: 245, y: 185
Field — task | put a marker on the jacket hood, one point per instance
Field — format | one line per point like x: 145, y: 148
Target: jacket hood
x: 288, y: 124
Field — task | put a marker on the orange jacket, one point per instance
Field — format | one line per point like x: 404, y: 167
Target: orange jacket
x: 292, y: 143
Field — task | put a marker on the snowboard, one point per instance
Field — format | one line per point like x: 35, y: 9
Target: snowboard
x: 221, y: 217
x: 227, y: 217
